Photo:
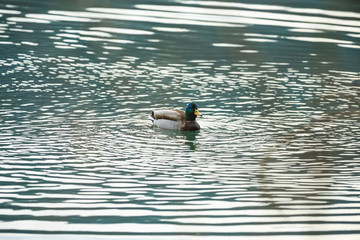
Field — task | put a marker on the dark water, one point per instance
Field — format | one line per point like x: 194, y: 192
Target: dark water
x: 278, y: 153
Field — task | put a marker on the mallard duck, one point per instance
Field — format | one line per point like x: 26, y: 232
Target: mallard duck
x: 177, y: 119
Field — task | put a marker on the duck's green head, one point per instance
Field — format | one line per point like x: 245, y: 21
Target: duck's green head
x: 191, y: 112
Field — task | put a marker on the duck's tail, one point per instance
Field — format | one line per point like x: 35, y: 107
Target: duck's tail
x: 151, y: 116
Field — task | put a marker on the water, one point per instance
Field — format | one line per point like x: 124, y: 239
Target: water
x: 278, y: 153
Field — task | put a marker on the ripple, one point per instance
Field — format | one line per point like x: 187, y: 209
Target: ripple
x: 27, y: 19
x: 164, y: 228
x: 324, y: 40
x: 252, y: 17
x: 7, y: 11
x: 121, y: 30
x: 275, y: 8
x: 54, y: 17
x: 226, y: 45
x: 165, y: 29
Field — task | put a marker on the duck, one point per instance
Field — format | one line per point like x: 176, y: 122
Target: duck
x: 177, y: 119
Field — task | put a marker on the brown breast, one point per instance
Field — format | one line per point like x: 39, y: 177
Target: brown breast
x: 191, y: 126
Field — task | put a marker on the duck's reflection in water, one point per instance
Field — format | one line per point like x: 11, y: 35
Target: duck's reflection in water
x: 190, y: 137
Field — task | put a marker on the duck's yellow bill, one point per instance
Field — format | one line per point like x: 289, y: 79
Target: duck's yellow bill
x: 197, y: 113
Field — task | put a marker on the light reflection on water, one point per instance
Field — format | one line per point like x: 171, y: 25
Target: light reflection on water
x: 277, y: 155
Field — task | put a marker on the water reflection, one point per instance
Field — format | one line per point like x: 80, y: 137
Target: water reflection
x: 277, y: 153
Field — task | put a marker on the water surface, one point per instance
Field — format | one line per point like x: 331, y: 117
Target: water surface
x: 278, y: 153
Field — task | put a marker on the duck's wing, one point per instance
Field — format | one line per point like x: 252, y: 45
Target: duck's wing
x: 173, y: 115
